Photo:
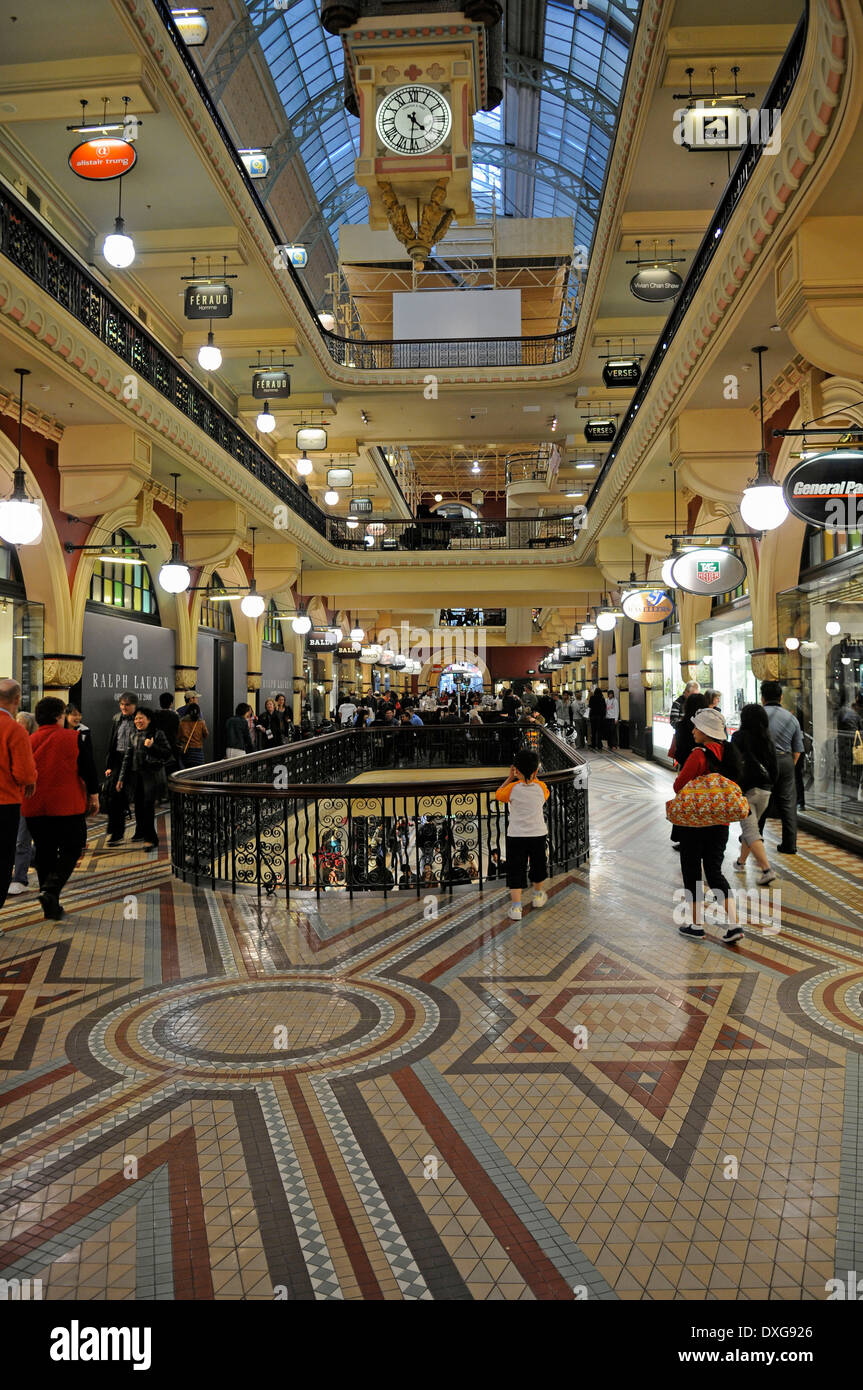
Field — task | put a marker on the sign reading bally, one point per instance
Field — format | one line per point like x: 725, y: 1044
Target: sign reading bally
x: 105, y: 158
x: 827, y: 491
x: 209, y: 301
x: 647, y: 606
x: 711, y: 570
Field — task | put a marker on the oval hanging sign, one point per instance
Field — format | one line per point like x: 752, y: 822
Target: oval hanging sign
x: 102, y: 159
x: 647, y: 606
x: 711, y: 570
x: 827, y: 491
x: 655, y: 284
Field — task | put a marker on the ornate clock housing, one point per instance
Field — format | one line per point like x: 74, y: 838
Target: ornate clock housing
x: 413, y: 120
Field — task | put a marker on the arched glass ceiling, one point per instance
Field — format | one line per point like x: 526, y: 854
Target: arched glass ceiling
x: 570, y: 97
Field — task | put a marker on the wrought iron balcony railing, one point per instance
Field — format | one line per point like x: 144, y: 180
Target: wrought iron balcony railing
x: 293, y: 817
x: 455, y: 533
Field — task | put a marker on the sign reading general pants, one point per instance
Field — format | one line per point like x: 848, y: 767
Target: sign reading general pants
x: 712, y: 570
x: 600, y: 431
x: 209, y: 301
x: 621, y: 371
x: 827, y: 491
x: 655, y: 284
x: 268, y: 386
x: 647, y: 606
x: 103, y: 159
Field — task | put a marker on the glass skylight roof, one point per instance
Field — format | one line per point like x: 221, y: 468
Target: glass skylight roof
x: 578, y: 86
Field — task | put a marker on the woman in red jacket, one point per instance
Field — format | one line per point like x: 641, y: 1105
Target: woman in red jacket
x: 706, y: 844
x: 66, y: 793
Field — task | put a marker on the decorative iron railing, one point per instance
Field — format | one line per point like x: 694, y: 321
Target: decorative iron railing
x: 455, y: 533
x: 776, y: 100
x: 295, y: 818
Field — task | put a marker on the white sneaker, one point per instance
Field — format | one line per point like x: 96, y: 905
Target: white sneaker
x: 540, y: 899
x: 15, y: 888
x: 515, y: 911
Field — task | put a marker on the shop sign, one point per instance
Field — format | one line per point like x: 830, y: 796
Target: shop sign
x: 297, y: 256
x: 647, y: 606
x: 349, y: 650
x: 577, y: 649
x: 257, y: 164
x: 321, y: 640
x: 827, y: 491
x: 209, y: 301
x: 655, y: 284
x: 340, y: 477
x: 621, y: 371
x: 311, y: 439
x: 600, y: 431
x: 360, y: 506
x: 103, y: 159
x: 711, y: 570
x: 192, y: 25
x: 268, y: 386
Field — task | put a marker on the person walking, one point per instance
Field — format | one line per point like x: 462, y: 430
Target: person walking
x: 238, y: 738
x: 66, y: 792
x: 612, y: 715
x: 678, y: 709
x: 545, y: 705
x: 705, y: 844
x: 190, y: 741
x: 579, y: 719
x: 119, y: 738
x: 683, y: 742
x: 24, y: 840
x: 787, y: 738
x: 167, y: 719
x: 597, y: 711
x: 526, y: 831
x: 760, y: 774
x: 17, y: 777
x: 562, y: 711
x: 143, y: 770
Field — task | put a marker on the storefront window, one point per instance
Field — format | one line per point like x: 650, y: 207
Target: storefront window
x: 667, y: 654
x: 21, y: 631
x: 723, y: 649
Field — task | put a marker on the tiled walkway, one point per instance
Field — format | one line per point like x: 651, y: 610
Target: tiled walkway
x: 205, y: 1099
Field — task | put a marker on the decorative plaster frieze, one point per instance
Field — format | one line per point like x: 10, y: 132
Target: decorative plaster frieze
x: 36, y: 420
x: 773, y: 189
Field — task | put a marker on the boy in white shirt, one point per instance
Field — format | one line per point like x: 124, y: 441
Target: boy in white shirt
x: 527, y: 832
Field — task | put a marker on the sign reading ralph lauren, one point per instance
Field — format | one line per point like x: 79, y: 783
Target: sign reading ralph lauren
x: 209, y: 301
x: 267, y: 386
x: 121, y: 653
x: 827, y: 491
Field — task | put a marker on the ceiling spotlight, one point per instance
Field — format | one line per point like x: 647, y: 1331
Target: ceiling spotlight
x: 118, y: 248
x: 209, y: 356
x: 475, y: 466
x: 266, y: 422
x: 364, y: 417
x: 792, y: 643
x: 304, y: 466
x: 331, y: 497
x: 833, y: 629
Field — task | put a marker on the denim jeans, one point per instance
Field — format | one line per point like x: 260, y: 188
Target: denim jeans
x: 24, y: 853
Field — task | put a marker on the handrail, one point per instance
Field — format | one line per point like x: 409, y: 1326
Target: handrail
x: 776, y: 99
x: 59, y: 272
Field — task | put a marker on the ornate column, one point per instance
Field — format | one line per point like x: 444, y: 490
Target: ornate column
x: 60, y: 671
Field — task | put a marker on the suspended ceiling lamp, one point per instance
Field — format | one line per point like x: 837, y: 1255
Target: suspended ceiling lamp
x: 833, y: 629
x: 20, y: 515
x: 304, y: 465
x: 357, y: 634
x: 331, y: 497
x: 589, y: 631
x: 209, y: 356
x: 118, y: 248
x: 605, y: 618
x: 792, y: 643
x: 763, y: 506
x: 301, y: 623
x: 266, y: 422
x: 174, y: 576
x: 352, y: 523
x: 253, y: 604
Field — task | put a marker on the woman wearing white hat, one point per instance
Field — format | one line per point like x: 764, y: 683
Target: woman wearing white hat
x: 705, y: 844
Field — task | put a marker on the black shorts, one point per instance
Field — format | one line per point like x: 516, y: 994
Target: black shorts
x: 519, y: 850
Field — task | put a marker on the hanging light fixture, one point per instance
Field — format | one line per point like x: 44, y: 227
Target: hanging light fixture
x: 301, y: 623
x: 606, y: 620
x: 588, y: 631
x: 832, y: 629
x: 331, y: 497
x: 253, y: 604
x: 174, y: 576
x: 20, y: 515
x: 357, y: 634
x: 209, y: 356
x: 304, y: 466
x: 763, y: 505
x: 266, y: 422
x: 668, y: 565
x: 792, y: 643
x: 352, y: 523
x: 118, y: 248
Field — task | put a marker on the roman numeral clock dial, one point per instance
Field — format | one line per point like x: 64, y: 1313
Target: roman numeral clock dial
x: 413, y: 120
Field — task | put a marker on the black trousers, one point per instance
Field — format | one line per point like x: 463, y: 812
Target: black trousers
x: 703, y: 844
x: 9, y: 816
x: 596, y: 726
x: 783, y: 801
x: 117, y: 806
x: 59, y: 842
x: 145, y: 817
x: 521, y: 850
x: 611, y: 733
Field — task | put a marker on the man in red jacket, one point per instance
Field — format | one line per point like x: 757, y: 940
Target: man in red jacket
x: 65, y: 795
x: 17, y: 777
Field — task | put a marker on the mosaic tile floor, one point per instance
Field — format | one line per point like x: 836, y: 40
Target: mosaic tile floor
x: 204, y: 1098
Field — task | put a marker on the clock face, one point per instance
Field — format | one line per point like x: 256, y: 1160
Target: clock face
x: 413, y: 120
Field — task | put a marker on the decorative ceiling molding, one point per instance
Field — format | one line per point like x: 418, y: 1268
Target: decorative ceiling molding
x: 34, y: 419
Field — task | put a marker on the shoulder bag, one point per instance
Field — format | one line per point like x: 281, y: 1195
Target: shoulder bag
x: 708, y: 800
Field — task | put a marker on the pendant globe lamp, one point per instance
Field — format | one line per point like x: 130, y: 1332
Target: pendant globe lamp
x: 301, y: 622
x: 20, y: 515
x: 763, y: 506
x: 174, y: 576
x: 253, y: 604
x: 118, y: 248
x: 210, y: 356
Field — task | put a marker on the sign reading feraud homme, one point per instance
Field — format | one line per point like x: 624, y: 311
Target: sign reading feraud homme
x: 827, y: 491
x: 209, y: 301
x: 711, y: 570
x: 621, y: 371
x: 647, y: 606
x: 267, y: 386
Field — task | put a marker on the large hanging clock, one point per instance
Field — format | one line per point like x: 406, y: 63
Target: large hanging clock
x: 413, y: 120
